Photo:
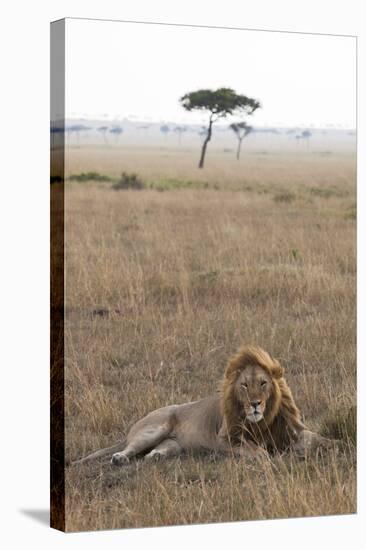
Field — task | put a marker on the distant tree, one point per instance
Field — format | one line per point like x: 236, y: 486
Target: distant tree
x: 241, y: 130
x: 77, y: 128
x: 306, y: 134
x: 219, y: 104
x: 165, y: 129
x: 180, y: 131
x: 103, y: 130
x: 117, y: 131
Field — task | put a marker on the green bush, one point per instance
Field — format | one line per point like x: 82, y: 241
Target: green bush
x: 89, y: 176
x: 284, y: 196
x: 295, y: 254
x: 351, y: 212
x: 129, y: 181
x: 327, y: 192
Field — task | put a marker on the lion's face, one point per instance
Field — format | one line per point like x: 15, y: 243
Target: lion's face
x: 253, y: 388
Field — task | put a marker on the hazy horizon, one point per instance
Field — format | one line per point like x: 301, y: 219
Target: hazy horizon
x: 134, y: 119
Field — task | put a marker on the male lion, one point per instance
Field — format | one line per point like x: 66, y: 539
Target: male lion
x: 253, y: 413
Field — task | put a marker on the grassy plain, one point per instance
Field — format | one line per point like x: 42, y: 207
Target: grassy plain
x: 165, y: 283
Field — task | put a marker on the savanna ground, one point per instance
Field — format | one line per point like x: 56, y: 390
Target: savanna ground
x: 165, y: 283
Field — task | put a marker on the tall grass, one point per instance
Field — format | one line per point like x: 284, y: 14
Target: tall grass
x: 186, y: 277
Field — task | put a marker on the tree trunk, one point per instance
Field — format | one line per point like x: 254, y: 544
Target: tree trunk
x: 239, y: 148
x: 204, y: 146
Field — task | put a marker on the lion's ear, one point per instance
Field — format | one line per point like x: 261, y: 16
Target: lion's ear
x: 277, y: 370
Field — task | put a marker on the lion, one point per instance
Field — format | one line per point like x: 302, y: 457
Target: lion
x: 252, y: 414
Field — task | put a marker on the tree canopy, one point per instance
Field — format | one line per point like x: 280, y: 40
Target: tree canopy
x: 241, y: 129
x: 219, y: 103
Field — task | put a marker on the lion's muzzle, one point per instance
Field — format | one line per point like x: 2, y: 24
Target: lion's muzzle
x: 255, y: 417
x: 255, y: 411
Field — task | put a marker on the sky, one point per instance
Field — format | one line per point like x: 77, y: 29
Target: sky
x: 117, y: 70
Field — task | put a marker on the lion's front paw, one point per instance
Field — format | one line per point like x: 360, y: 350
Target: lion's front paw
x: 119, y: 459
x: 154, y: 456
x: 310, y: 443
x: 330, y: 444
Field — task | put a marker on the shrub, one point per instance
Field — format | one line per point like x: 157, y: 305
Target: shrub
x: 327, y: 192
x: 129, y: 181
x: 284, y: 196
x: 351, y: 213
x: 89, y: 176
x: 295, y: 254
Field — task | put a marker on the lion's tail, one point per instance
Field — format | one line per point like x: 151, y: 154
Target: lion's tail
x: 101, y: 453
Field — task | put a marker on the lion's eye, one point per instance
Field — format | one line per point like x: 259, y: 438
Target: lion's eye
x: 263, y: 383
x: 245, y: 385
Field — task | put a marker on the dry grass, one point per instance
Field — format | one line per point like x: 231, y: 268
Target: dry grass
x: 163, y: 286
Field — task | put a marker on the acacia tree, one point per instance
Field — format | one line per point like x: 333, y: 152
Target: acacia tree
x: 306, y: 134
x: 77, y: 128
x: 219, y: 103
x: 103, y: 130
x: 165, y: 129
x: 117, y: 131
x: 241, y: 130
x: 180, y: 131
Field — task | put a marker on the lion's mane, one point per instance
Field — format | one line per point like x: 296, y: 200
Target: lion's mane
x: 281, y: 422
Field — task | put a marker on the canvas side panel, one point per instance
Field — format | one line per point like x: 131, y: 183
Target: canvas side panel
x: 57, y: 207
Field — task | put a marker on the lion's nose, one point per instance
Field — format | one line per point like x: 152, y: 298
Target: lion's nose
x: 255, y: 404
